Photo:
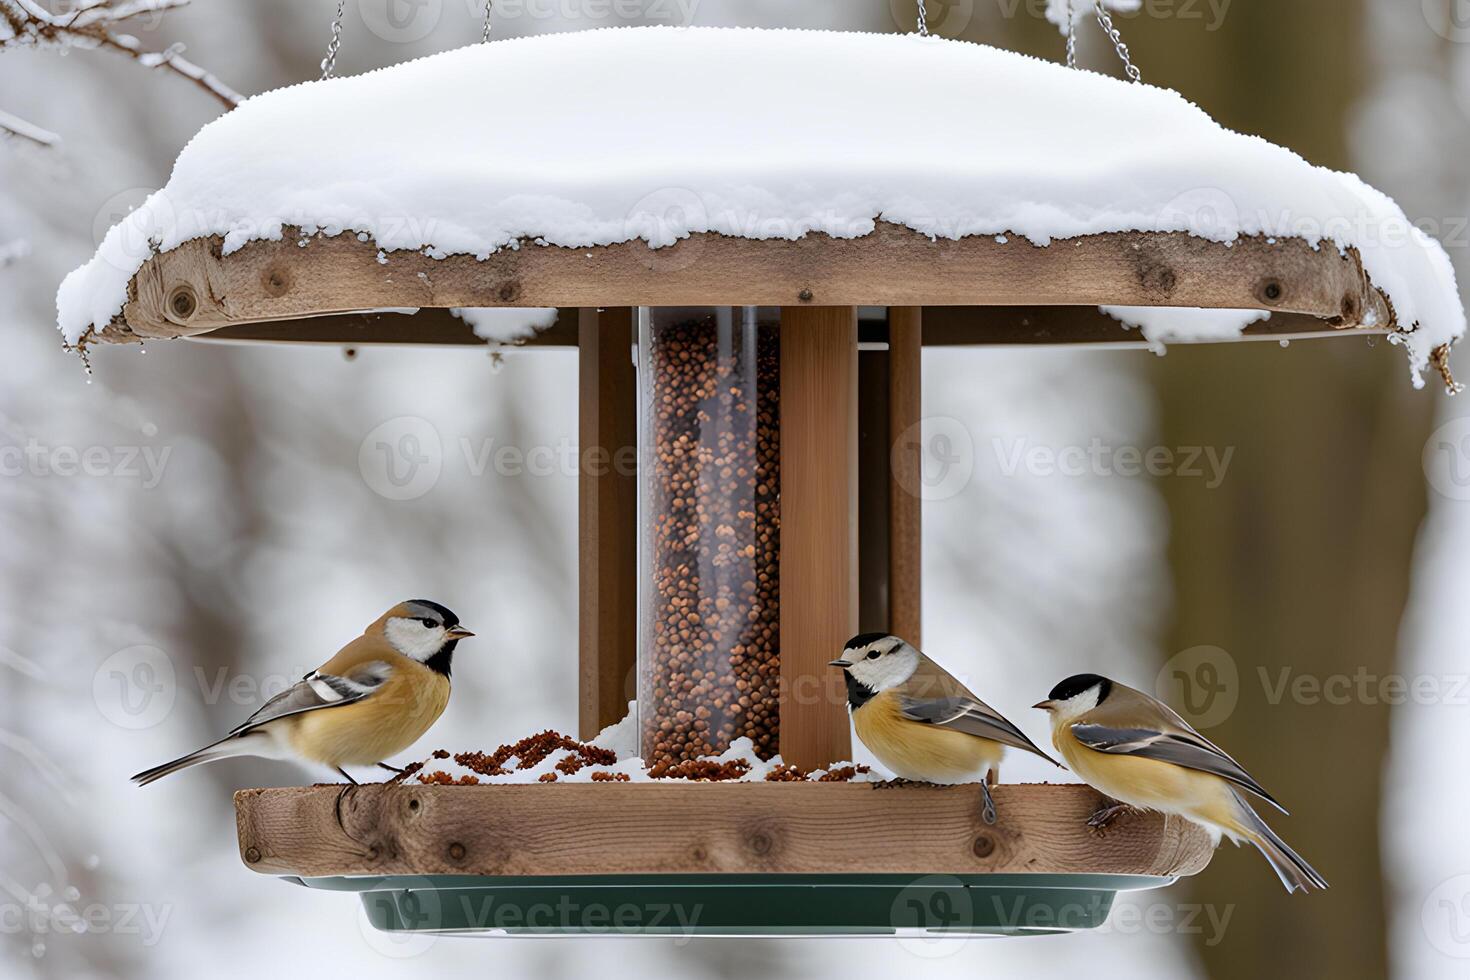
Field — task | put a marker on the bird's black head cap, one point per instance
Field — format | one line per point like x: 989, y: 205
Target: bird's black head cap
x: 449, y: 618
x: 1077, y: 683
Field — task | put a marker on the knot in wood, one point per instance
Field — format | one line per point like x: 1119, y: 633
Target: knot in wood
x: 182, y: 303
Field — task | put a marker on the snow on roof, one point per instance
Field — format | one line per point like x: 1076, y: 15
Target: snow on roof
x: 653, y: 133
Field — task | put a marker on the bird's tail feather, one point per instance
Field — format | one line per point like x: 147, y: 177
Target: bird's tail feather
x: 1295, y: 873
x: 223, y: 749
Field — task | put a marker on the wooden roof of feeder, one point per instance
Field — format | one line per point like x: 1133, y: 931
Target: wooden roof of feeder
x: 981, y: 196
x: 1009, y: 197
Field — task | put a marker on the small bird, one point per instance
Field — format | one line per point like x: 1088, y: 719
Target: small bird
x: 369, y: 702
x: 919, y: 721
x: 1138, y: 751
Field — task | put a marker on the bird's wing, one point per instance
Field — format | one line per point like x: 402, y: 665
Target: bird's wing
x: 318, y: 690
x: 1182, y: 748
x: 968, y: 715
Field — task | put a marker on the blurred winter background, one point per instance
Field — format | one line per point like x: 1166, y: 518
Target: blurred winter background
x: 144, y: 607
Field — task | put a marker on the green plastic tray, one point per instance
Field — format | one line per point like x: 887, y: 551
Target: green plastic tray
x: 746, y: 905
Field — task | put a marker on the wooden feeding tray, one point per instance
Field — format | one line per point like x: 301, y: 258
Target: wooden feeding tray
x: 770, y: 858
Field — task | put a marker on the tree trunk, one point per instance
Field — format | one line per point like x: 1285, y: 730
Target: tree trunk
x: 1298, y: 564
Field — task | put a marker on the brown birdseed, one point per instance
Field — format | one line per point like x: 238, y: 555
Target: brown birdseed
x: 710, y: 666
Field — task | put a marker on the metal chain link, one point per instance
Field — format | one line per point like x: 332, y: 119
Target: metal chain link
x: 923, y: 20
x: 1106, y: 20
x: 1071, y: 36
x: 329, y: 63
x: 485, y: 35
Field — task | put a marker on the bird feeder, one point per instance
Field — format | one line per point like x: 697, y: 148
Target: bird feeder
x: 849, y: 204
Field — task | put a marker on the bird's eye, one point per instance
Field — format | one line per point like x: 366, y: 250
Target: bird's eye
x: 873, y: 655
x: 428, y: 623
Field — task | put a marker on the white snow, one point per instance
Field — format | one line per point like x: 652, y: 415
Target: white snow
x: 1184, y: 325
x: 622, y: 739
x: 508, y: 324
x: 592, y: 138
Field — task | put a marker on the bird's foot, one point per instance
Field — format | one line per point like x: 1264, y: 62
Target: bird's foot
x: 987, y: 811
x: 392, y: 769
x: 1103, y: 819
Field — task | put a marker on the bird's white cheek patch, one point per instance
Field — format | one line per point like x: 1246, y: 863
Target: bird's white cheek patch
x: 410, y: 638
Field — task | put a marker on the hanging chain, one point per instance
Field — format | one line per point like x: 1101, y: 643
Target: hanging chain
x: 1071, y: 36
x: 329, y: 63
x: 485, y: 34
x: 1106, y: 20
x: 923, y: 20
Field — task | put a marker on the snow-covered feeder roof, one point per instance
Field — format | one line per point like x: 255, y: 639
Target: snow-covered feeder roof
x: 664, y: 166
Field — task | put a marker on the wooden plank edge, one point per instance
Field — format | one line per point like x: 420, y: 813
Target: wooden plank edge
x: 195, y: 288
x: 703, y: 828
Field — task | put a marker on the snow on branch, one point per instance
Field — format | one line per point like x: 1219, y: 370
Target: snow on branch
x: 18, y: 127
x: 90, y: 24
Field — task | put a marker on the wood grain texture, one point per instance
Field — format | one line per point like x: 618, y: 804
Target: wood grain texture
x: 819, y: 528
x: 607, y: 504
x: 195, y: 288
x: 905, y: 473
x: 619, y: 828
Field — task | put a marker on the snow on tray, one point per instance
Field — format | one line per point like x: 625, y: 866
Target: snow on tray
x: 653, y: 133
x: 620, y: 738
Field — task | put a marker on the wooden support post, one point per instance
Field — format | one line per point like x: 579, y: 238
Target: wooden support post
x: 819, y: 520
x: 607, y: 499
x: 905, y: 472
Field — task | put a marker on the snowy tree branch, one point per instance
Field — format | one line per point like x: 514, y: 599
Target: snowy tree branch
x: 16, y: 126
x: 25, y: 23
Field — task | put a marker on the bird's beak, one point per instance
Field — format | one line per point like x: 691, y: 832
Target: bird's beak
x: 1045, y: 705
x: 839, y: 663
x: 457, y: 633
